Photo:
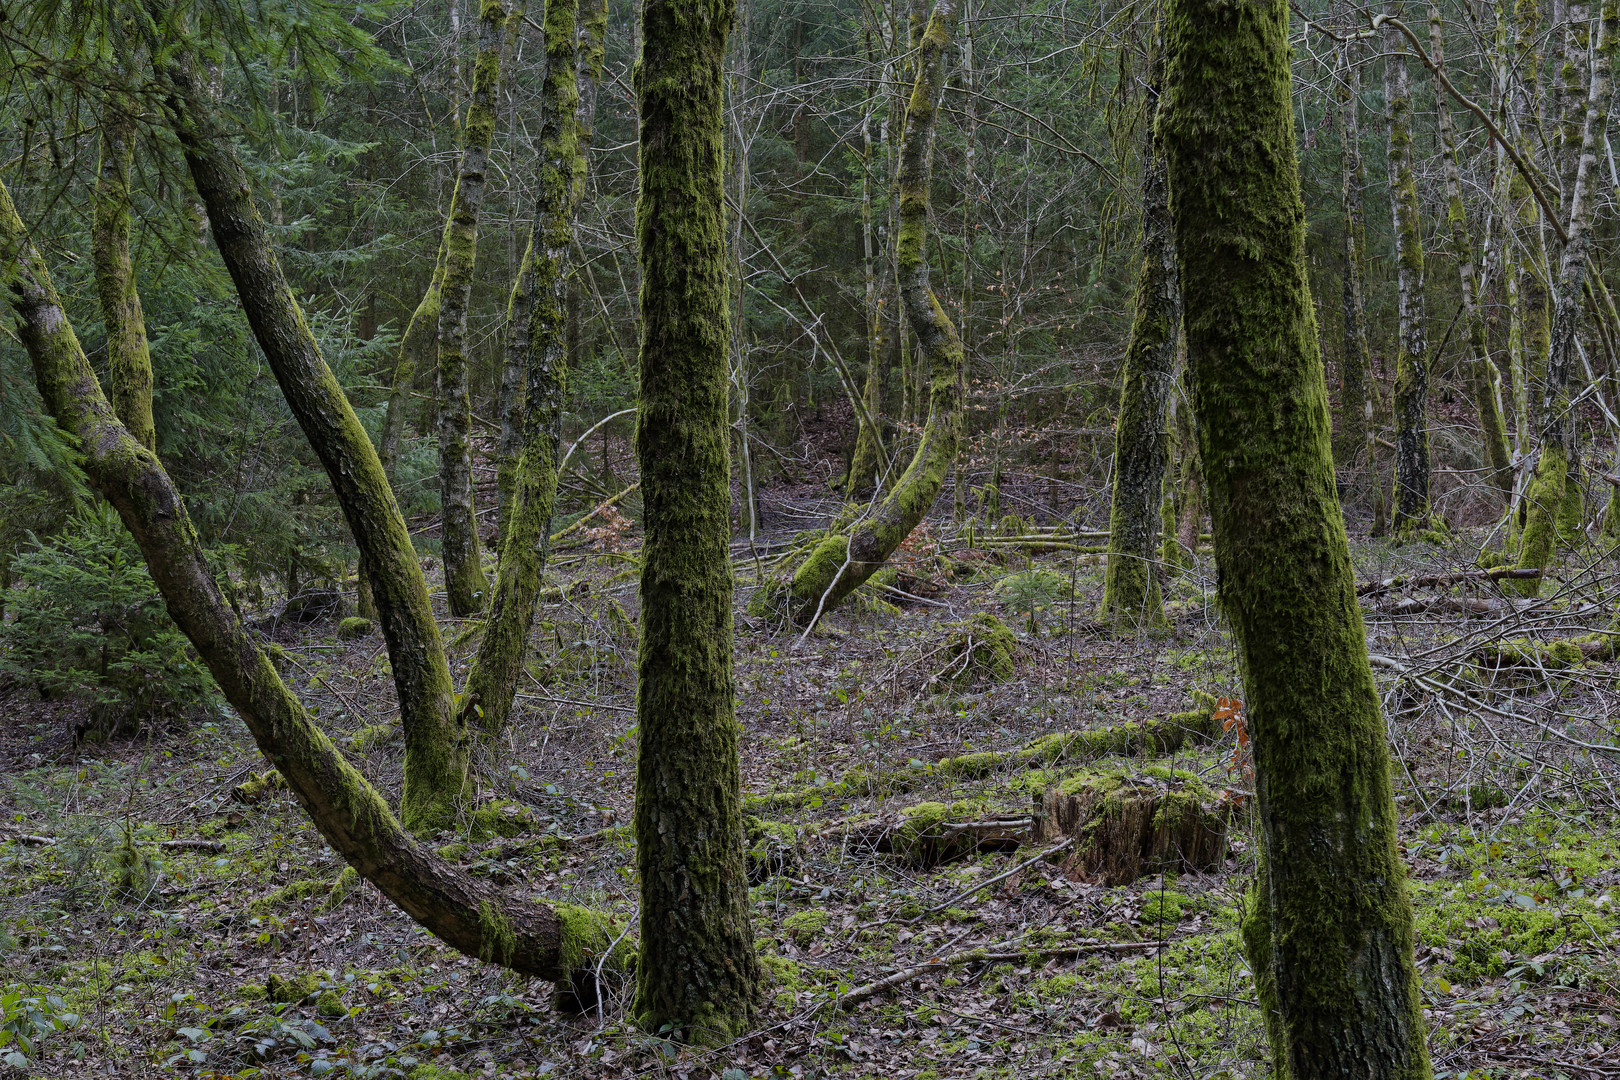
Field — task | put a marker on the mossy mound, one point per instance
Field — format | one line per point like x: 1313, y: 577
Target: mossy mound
x: 258, y: 788
x: 504, y: 818
x: 1130, y: 824
x: 805, y: 926
x: 354, y: 628
x: 291, y: 990
x: 773, y: 849
x: 980, y: 649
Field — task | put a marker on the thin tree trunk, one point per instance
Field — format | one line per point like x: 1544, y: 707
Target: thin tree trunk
x: 1355, y: 369
x: 1412, y: 352
x: 863, y: 475
x: 465, y: 584
x: 699, y: 975
x: 469, y: 915
x: 514, y: 399
x: 416, y: 346
x: 436, y: 785
x: 1131, y: 584
x: 1329, y: 926
x: 1553, y: 500
x: 129, y: 362
x: 1482, y: 373
x: 839, y: 564
x: 1535, y: 340
x: 573, y: 70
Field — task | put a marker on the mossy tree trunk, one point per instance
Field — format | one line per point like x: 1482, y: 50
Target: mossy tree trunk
x: 514, y: 397
x: 416, y: 346
x: 129, y: 361
x: 465, y: 584
x: 1355, y: 365
x: 840, y: 563
x: 698, y: 975
x: 1330, y: 930
x: 467, y: 914
x: 1411, y: 501
x: 1531, y: 283
x: 436, y: 784
x: 573, y: 62
x: 1482, y: 374
x: 1554, y: 500
x: 1131, y: 584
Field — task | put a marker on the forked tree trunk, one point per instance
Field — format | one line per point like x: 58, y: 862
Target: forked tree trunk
x: 129, y: 362
x: 1329, y: 930
x: 465, y: 584
x: 467, y: 914
x: 1554, y: 498
x: 1412, y: 350
x: 1482, y: 373
x: 839, y: 564
x: 436, y: 784
x: 698, y: 974
x: 1131, y: 584
x: 573, y: 69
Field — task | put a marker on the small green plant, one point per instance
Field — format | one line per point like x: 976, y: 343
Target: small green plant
x: 1031, y: 592
x: 88, y: 623
x: 26, y: 1017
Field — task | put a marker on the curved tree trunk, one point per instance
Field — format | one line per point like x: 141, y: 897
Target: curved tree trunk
x: 465, y: 913
x: 436, y: 784
x: 573, y: 65
x: 839, y: 564
x: 1482, y: 373
x: 1131, y: 584
x: 1555, y: 489
x: 416, y: 346
x: 698, y: 973
x: 465, y: 585
x: 1329, y: 930
x: 1411, y: 502
x: 129, y: 362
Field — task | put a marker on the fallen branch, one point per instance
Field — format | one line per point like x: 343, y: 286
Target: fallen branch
x: 965, y: 893
x: 1426, y: 581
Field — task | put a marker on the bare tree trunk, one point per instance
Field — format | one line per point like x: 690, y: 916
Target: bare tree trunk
x: 1412, y: 353
x: 1329, y: 925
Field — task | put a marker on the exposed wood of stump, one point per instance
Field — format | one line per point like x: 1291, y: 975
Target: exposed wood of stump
x: 1127, y: 826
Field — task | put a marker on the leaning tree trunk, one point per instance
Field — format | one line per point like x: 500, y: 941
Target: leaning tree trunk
x: 1411, y: 502
x: 1329, y: 930
x: 467, y: 914
x: 839, y: 564
x: 1482, y: 372
x: 1131, y: 585
x: 129, y: 362
x: 436, y: 783
x: 465, y: 585
x: 1555, y: 488
x: 699, y: 975
x: 573, y: 68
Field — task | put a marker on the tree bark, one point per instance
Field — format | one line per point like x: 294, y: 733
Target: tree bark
x: 1131, y: 583
x: 129, y: 361
x: 573, y: 69
x: 470, y: 916
x: 436, y: 784
x: 1554, y: 498
x: 1535, y: 340
x: 1482, y: 373
x: 1411, y: 502
x: 1329, y: 930
x: 698, y: 975
x: 839, y: 564
x: 1355, y: 368
x: 465, y: 584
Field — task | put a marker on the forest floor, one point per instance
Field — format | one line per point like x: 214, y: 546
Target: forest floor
x: 1007, y: 956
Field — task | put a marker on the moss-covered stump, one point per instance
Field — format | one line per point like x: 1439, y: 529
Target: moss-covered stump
x: 1523, y: 655
x: 354, y: 628
x: 931, y: 833
x: 257, y: 788
x: 981, y: 649
x: 1126, y: 825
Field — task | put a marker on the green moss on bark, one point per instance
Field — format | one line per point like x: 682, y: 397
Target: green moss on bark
x: 1338, y: 920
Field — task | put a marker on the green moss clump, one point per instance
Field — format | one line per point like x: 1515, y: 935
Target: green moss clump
x: 291, y: 990
x: 251, y: 992
x: 1163, y: 909
x: 980, y: 648
x: 436, y: 1072
x: 366, y: 737
x: 805, y: 926
x: 257, y: 788
x: 330, y: 1005
x: 354, y: 628
x: 504, y: 818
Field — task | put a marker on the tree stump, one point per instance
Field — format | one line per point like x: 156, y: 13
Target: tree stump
x: 1127, y: 825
